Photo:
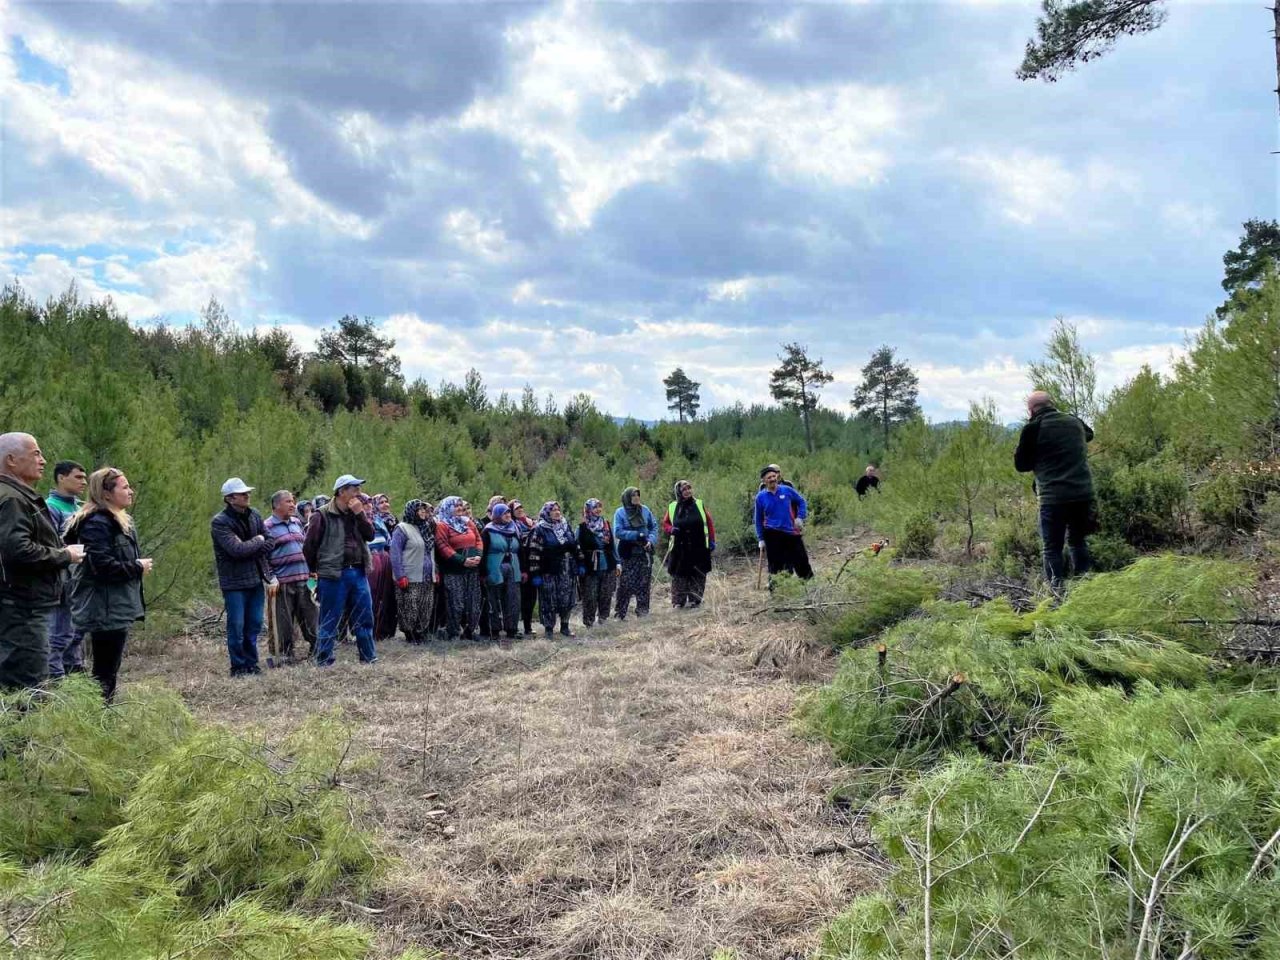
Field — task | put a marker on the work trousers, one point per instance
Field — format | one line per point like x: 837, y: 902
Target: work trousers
x: 296, y: 613
x: 24, y: 646
x: 347, y: 595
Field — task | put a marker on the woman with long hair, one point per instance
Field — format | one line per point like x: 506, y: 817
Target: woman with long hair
x: 553, y: 565
x: 106, y: 590
x: 528, y: 592
x: 413, y: 547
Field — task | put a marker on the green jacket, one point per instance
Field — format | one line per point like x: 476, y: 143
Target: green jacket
x: 1053, y: 445
x: 32, y: 556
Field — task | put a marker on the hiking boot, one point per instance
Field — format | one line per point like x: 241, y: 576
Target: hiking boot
x: 565, y: 631
x: 551, y: 632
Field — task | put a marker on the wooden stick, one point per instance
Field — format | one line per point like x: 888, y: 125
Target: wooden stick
x: 956, y: 683
x: 760, y: 570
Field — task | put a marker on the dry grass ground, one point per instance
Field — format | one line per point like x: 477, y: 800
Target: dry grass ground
x: 639, y: 794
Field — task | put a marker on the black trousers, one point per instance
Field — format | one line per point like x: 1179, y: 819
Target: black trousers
x: 786, y: 554
x: 108, y: 651
x: 528, y: 597
x: 1064, y: 524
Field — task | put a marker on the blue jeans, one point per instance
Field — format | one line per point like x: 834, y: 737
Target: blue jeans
x: 1064, y: 523
x: 244, y: 623
x: 349, y: 593
x: 66, y: 644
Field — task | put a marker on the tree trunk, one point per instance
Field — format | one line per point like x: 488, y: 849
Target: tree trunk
x: 1275, y: 12
x: 804, y: 415
x: 884, y: 419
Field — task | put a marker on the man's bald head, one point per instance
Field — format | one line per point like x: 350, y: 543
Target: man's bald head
x: 1037, y: 400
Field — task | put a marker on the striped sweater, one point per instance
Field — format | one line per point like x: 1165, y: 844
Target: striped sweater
x: 286, y: 536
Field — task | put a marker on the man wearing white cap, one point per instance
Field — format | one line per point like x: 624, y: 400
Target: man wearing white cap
x: 337, y: 551
x: 240, y: 547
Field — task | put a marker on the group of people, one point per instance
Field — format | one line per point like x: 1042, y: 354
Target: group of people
x: 345, y: 565
x: 71, y: 567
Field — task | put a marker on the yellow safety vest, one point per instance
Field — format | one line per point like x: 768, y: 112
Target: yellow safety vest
x: 702, y: 512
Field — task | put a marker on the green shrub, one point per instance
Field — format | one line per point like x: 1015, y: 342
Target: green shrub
x: 1015, y: 543
x: 1224, y: 500
x: 1108, y: 553
x: 882, y: 593
x: 227, y: 818
x: 1144, y: 505
x: 1113, y: 629
x: 159, y: 838
x: 1045, y: 853
x: 917, y: 535
x: 67, y: 764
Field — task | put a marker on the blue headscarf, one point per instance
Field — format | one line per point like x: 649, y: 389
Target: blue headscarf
x: 507, y: 527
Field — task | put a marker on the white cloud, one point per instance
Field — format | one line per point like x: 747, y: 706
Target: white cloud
x: 484, y: 238
x: 1029, y: 188
x: 563, y: 63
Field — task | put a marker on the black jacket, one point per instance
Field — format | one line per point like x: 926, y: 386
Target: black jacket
x: 241, y: 562
x: 106, y: 590
x: 32, y: 556
x: 1053, y: 446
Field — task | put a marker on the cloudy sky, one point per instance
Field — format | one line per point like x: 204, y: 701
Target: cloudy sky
x: 581, y: 196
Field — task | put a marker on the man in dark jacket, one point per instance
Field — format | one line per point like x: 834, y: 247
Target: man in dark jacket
x: 1053, y: 445
x: 337, y: 551
x: 240, y: 547
x: 32, y: 559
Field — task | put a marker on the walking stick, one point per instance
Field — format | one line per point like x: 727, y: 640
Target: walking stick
x: 760, y: 570
x: 272, y: 651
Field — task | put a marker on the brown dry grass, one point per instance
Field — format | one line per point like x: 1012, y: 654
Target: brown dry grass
x: 638, y: 795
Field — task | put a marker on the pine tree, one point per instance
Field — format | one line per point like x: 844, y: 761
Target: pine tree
x: 888, y: 392
x: 366, y: 358
x: 1069, y: 373
x: 682, y: 395
x: 796, y: 382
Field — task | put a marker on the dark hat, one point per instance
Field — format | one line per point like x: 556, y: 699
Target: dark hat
x: 771, y: 468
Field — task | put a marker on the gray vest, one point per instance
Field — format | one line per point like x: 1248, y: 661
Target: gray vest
x: 414, y: 554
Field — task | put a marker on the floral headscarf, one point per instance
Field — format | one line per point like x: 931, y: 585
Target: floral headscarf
x: 597, y: 525
x: 675, y: 491
x: 526, y: 520
x: 558, y: 530
x: 447, y: 513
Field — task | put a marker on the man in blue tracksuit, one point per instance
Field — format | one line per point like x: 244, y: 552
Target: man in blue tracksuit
x: 780, y: 515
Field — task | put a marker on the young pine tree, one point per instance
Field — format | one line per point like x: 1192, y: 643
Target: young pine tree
x: 1068, y: 372
x: 795, y: 384
x: 888, y: 392
x: 682, y: 395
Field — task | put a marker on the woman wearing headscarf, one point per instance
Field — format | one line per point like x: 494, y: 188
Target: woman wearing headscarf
x: 636, y: 532
x: 382, y: 584
x: 553, y: 566
x: 458, y: 545
x: 691, y: 541
x: 601, y: 565
x: 106, y: 590
x: 304, y: 509
x: 413, y: 544
x: 528, y: 592
x: 483, y: 522
x: 382, y: 508
x: 501, y: 568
